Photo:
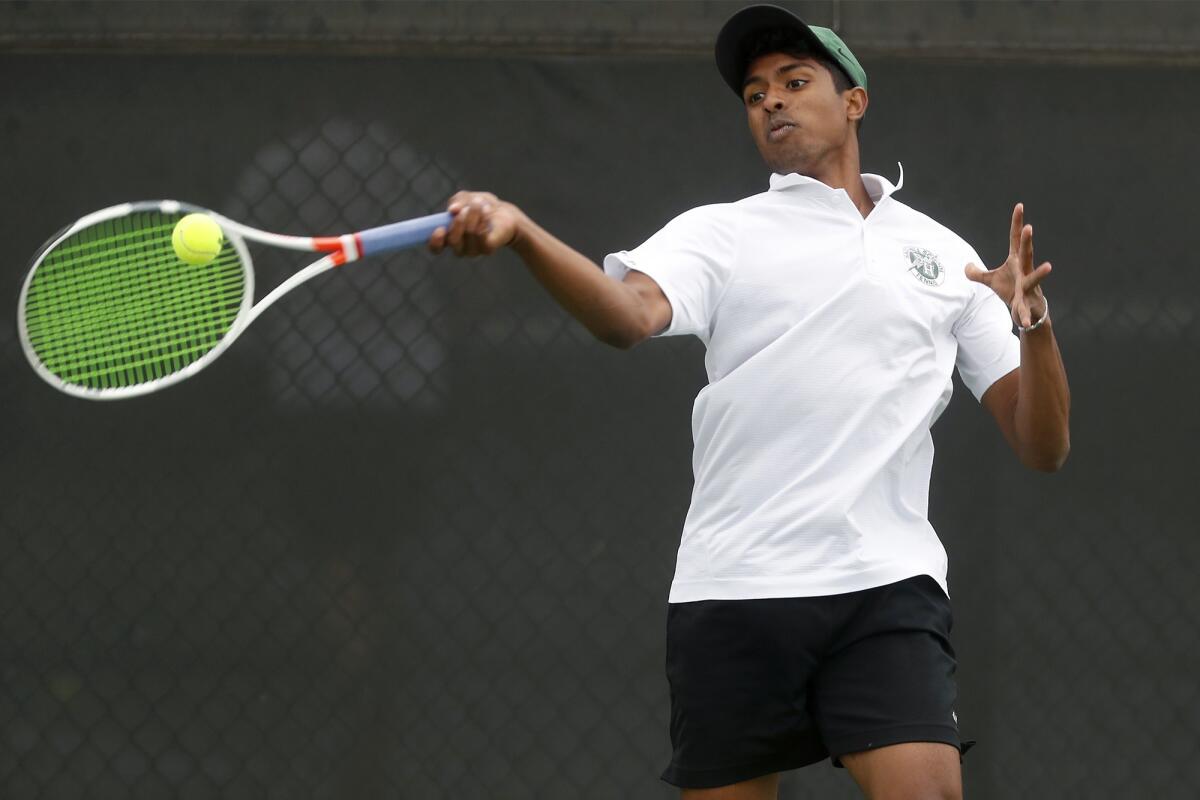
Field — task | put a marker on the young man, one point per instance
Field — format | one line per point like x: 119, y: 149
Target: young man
x: 809, y: 615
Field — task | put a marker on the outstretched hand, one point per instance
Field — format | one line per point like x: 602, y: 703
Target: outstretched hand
x: 482, y: 224
x: 1016, y: 281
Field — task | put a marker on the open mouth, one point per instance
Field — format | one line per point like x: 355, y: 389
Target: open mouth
x: 779, y: 130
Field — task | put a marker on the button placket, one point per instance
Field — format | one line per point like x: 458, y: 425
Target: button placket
x: 871, y: 265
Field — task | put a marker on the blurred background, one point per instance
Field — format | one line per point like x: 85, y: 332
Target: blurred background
x: 412, y: 536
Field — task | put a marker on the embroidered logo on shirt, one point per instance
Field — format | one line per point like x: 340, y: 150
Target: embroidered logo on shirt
x: 925, y: 266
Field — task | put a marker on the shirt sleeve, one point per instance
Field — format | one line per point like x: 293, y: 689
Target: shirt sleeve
x: 987, y: 347
x: 691, y: 260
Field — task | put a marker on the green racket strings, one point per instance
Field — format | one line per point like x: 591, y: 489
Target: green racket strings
x: 112, y: 305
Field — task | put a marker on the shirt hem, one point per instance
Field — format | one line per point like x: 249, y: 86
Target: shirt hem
x: 792, y: 586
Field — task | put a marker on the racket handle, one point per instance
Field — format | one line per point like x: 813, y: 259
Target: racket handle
x: 399, y: 235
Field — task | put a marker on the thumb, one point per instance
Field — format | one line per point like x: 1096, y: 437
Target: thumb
x: 974, y: 273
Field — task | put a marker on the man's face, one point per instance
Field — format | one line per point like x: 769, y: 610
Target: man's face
x: 797, y: 117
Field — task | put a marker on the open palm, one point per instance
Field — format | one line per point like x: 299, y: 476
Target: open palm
x: 1016, y: 281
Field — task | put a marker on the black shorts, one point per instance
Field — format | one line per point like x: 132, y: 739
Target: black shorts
x: 762, y: 686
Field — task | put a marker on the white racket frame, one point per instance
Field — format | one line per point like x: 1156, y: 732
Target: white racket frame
x: 236, y: 233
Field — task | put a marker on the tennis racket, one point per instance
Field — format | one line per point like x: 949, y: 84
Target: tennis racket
x: 108, y: 310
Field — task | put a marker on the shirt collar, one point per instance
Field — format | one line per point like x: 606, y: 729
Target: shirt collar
x: 878, y: 187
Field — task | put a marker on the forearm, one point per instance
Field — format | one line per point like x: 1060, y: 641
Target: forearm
x: 611, y: 310
x: 1043, y: 407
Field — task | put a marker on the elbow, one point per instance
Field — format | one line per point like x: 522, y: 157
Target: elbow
x: 635, y: 319
x: 622, y: 339
x: 616, y: 340
x: 626, y: 336
x: 1048, y: 459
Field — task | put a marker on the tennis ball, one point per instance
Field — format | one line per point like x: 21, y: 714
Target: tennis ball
x: 197, y: 239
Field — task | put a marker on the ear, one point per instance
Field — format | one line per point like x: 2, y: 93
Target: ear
x: 856, y: 103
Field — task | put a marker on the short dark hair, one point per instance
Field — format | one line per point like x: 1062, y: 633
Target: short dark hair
x: 781, y: 40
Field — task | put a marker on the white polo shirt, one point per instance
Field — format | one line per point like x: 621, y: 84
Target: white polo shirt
x: 830, y: 341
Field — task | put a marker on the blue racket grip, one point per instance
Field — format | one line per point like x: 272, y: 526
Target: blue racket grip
x: 398, y: 235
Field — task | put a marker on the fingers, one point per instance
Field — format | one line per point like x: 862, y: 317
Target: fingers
x: 1019, y: 308
x: 1016, y: 281
x: 460, y: 199
x: 454, y: 234
x: 437, y: 241
x: 477, y: 223
x: 1027, y: 249
x: 467, y: 234
x: 458, y: 228
x: 1034, y: 279
x: 1022, y: 309
x: 974, y: 273
x: 440, y: 238
x: 1014, y: 230
x: 1021, y: 313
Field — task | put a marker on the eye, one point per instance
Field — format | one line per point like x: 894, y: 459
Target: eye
x: 796, y: 83
x: 753, y: 98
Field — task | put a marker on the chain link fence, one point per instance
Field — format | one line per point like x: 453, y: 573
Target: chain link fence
x: 362, y: 557
x: 412, y: 536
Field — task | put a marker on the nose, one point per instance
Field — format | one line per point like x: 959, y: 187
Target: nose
x: 772, y: 102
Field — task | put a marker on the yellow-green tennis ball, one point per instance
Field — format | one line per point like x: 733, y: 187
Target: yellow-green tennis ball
x: 197, y: 239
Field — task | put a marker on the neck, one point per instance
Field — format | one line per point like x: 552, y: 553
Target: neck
x: 854, y: 187
x: 842, y: 171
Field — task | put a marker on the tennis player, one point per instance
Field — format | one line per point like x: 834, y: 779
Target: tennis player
x: 809, y: 615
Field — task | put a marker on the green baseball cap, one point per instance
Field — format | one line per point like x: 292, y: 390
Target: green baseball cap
x: 738, y: 32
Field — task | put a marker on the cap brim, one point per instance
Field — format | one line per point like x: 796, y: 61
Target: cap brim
x: 732, y: 41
